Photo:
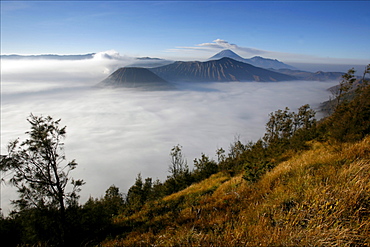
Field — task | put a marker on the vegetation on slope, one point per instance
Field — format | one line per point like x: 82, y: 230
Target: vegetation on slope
x: 318, y: 197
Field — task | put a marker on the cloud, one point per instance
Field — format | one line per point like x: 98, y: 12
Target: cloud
x: 111, y: 54
x: 206, y: 50
x: 114, y: 134
x: 24, y: 75
x: 217, y: 45
x: 223, y: 44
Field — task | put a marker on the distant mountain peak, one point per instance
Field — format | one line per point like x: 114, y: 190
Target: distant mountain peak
x: 227, y: 53
x: 258, y: 61
x: 262, y: 58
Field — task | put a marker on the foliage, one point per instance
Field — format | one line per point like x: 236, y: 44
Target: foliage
x: 39, y: 171
x: 178, y: 163
x: 93, y: 221
x: 138, y: 194
x: 204, y: 168
x: 283, y: 125
x: 180, y: 176
x: 9, y: 231
x: 285, y: 132
x: 348, y: 88
x: 345, y: 85
x: 351, y: 119
x: 318, y: 197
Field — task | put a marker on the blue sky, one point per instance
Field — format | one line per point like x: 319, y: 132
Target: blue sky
x: 297, y: 31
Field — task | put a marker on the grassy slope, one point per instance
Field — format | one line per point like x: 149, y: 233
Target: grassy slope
x: 318, y: 197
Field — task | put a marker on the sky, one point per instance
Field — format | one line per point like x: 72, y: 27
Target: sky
x: 291, y: 31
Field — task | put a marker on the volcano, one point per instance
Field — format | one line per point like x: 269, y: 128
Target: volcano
x: 222, y: 70
x: 135, y: 77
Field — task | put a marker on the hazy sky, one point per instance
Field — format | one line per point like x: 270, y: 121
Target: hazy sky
x: 337, y: 31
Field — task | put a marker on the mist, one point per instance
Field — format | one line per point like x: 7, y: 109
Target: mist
x: 114, y: 134
x: 314, y: 67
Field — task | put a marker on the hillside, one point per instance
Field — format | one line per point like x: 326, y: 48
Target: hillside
x: 303, y: 184
x: 319, y: 197
x: 222, y: 70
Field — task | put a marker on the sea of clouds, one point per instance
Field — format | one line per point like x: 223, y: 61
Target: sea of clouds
x: 114, y: 134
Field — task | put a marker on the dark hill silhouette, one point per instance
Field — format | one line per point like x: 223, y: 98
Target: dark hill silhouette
x: 309, y: 76
x: 222, y: 70
x: 134, y: 77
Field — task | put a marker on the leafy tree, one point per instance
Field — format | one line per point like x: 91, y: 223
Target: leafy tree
x: 236, y: 148
x: 147, y: 189
x: 113, y: 200
x: 345, y: 85
x: 93, y: 222
x: 204, y: 167
x: 220, y: 153
x: 256, y: 161
x: 351, y: 119
x: 234, y: 162
x: 157, y: 191
x: 135, y: 197
x: 180, y: 176
x: 279, y: 127
x: 283, y: 125
x: 178, y: 164
x: 40, y: 171
x: 304, y: 119
x: 366, y: 71
x: 285, y: 130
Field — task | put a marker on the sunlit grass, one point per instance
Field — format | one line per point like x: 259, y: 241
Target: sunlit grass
x: 320, y: 197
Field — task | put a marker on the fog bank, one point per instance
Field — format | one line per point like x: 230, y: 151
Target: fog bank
x: 114, y: 134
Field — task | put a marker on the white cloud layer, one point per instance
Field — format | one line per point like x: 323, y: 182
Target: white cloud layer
x: 116, y: 133
x: 223, y: 44
x: 208, y: 49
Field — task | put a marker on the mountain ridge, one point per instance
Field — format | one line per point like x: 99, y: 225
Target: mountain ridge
x: 257, y: 61
x: 312, y: 76
x: 222, y: 70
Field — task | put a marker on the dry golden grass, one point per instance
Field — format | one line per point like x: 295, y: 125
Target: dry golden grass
x: 320, y: 197
x: 207, y: 185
